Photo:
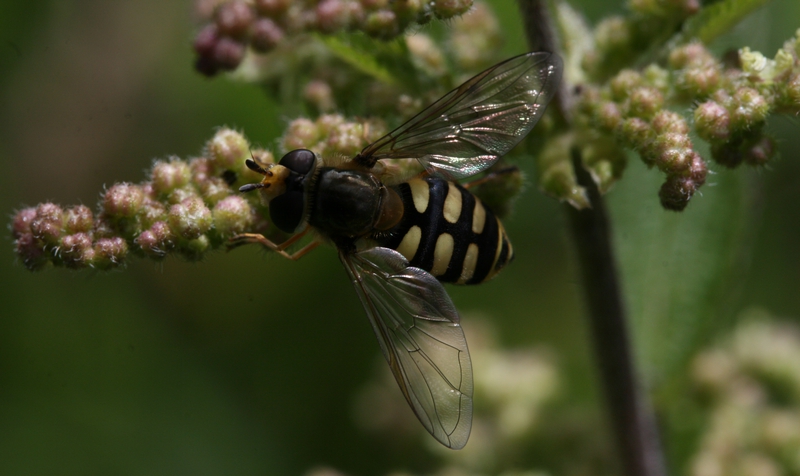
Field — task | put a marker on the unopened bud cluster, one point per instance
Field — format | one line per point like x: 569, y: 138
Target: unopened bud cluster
x: 237, y: 25
x: 750, y: 386
x: 186, y: 207
x: 331, y: 135
x: 733, y: 103
x: 631, y: 107
x: 731, y: 108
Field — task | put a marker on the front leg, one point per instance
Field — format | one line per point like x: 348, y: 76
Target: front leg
x: 256, y: 238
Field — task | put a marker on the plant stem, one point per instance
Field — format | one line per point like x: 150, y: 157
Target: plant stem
x: 629, y: 408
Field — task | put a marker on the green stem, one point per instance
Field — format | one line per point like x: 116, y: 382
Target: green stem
x: 629, y: 408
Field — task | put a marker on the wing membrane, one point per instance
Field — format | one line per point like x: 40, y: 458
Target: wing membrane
x: 418, y: 328
x: 472, y: 126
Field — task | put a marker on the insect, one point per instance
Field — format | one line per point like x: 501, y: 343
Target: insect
x: 400, y: 239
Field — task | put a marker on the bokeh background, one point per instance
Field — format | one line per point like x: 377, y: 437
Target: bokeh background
x: 246, y: 363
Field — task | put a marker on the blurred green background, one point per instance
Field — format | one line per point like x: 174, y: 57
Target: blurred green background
x: 246, y: 363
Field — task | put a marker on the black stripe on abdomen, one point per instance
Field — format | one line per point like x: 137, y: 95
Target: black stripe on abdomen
x: 438, y: 217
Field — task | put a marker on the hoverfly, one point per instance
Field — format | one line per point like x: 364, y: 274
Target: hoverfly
x: 400, y: 239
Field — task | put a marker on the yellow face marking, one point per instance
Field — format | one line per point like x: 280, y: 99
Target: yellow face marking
x: 478, y: 217
x: 408, y: 246
x: 442, y: 254
x: 452, y: 204
x: 470, y: 260
x: 421, y: 193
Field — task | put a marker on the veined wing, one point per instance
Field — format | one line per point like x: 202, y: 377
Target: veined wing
x: 418, y: 328
x: 472, y: 126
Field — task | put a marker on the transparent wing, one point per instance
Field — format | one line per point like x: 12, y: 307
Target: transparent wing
x: 472, y: 126
x: 419, y: 332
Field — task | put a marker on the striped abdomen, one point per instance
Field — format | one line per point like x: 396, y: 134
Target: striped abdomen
x: 448, y: 232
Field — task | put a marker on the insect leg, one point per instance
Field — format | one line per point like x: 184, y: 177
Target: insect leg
x: 255, y: 238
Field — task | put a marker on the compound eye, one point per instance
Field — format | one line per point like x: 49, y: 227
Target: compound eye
x: 286, y: 210
x: 300, y: 161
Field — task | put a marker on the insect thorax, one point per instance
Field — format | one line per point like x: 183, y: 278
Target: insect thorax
x: 344, y: 203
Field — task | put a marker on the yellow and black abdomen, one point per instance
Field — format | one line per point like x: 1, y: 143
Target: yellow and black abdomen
x: 448, y: 232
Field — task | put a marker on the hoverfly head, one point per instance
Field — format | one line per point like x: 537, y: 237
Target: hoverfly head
x: 283, y: 187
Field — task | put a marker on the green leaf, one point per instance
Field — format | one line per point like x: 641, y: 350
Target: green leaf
x: 386, y: 61
x: 714, y: 20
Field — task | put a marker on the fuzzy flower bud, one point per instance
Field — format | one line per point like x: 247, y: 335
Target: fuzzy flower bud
x: 301, y: 133
x: 31, y: 252
x: 157, y: 240
x: 201, y: 169
x: 327, y: 123
x: 698, y: 170
x: 608, y: 116
x: 636, y: 133
x: 644, y: 102
x: 676, y: 192
x: 190, y: 218
x: 214, y: 189
x: 789, y: 92
x: 232, y: 216
x: 761, y: 152
x: 79, y: 219
x: 668, y: 121
x: 673, y: 152
x: 123, y: 200
x: 228, y: 149
x: 624, y: 82
x: 691, y: 54
x: 184, y: 193
x: 206, y: 40
x: 347, y: 139
x: 450, y: 8
x: 48, y: 223
x: 76, y: 250
x: 228, y: 53
x: 152, y: 211
x: 332, y: 15
x: 109, y: 252
x: 196, y: 248
x: 712, y: 121
x: 21, y: 223
x: 234, y: 18
x: 699, y: 81
x: 748, y: 109
x: 382, y: 24
x: 266, y: 35
x: 612, y: 33
x: 168, y: 176
x: 657, y: 77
